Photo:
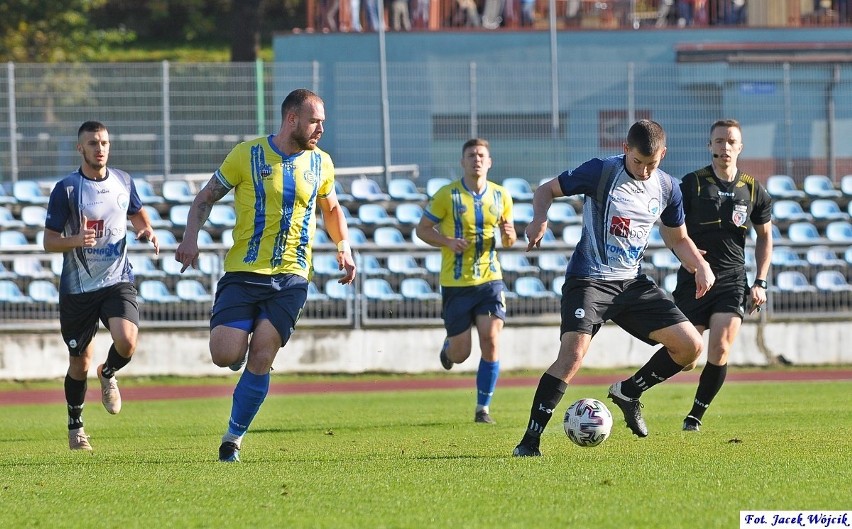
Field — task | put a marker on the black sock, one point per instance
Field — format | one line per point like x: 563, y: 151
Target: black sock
x: 547, y: 396
x: 658, y: 369
x: 709, y: 384
x: 75, y: 394
x: 113, y: 363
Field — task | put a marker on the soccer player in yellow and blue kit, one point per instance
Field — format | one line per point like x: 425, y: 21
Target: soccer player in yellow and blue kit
x: 463, y: 218
x: 278, y: 182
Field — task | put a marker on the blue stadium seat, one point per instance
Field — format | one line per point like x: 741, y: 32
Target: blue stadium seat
x: 789, y: 211
x: 547, y: 239
x: 845, y: 186
x: 5, y: 273
x: 517, y: 262
x: 388, y: 236
x: 12, y: 238
x: 30, y: 266
x: 792, y: 281
x: 405, y: 264
x: 519, y: 189
x: 839, y: 231
x: 435, y: 183
x: 164, y: 237
x: 314, y: 293
x: 29, y: 192
x: 351, y: 220
x: 321, y: 238
x: 408, y: 214
x: 44, y: 291
x: 158, y: 221
x: 404, y: 190
x: 563, y: 213
x: 335, y: 290
x: 369, y: 265
x: 172, y: 267
x: 803, y: 232
x: 228, y: 237
x: 326, y: 264
x: 192, y: 290
x: 823, y: 256
x: 155, y: 291
x: 556, y: 284
x: 781, y: 186
x: 146, y: 192
x: 204, y: 238
x: 655, y: 239
x: 418, y: 241
x: 523, y: 213
x: 367, y: 190
x: 375, y: 215
x: 831, y: 281
x: 418, y: 289
x: 553, y: 262
x: 6, y: 199
x: 342, y: 195
x: 357, y: 237
x: 378, y: 289
x: 143, y: 266
x: 784, y: 256
x: 826, y: 209
x: 8, y: 220
x: 222, y: 216
x: 571, y: 234
x: 11, y: 293
x: 670, y: 282
x: 433, y: 263
x: 820, y: 186
x: 178, y: 215
x: 34, y: 216
x: 178, y: 192
x: 665, y: 260
x: 532, y: 287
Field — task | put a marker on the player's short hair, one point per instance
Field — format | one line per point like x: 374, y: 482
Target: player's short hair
x: 727, y: 123
x: 296, y: 99
x: 646, y: 136
x: 90, y: 126
x: 475, y: 142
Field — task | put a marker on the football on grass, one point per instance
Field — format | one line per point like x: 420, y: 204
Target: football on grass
x: 587, y: 422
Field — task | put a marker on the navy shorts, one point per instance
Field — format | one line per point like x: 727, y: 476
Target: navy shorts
x: 461, y: 305
x: 242, y: 298
x: 730, y: 294
x: 79, y: 313
x: 637, y: 305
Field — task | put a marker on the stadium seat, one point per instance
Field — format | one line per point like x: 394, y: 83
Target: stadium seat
x: 845, y: 186
x: 519, y: 189
x: 178, y: 215
x: 222, y: 216
x: 326, y: 264
x: 30, y: 266
x: 820, y: 186
x: 670, y: 282
x: 523, y: 213
x: 143, y: 266
x: 146, y: 193
x: 789, y: 211
x: 655, y: 239
x: 823, y: 256
x: 665, y: 260
x: 155, y: 291
x: 5, y: 198
x: 351, y: 220
x: 44, y: 291
x: 314, y: 293
x: 784, y: 256
x: 435, y: 183
x: 5, y: 273
x: 172, y: 268
x: 370, y: 266
x: 803, y: 232
x: 8, y: 221
x: 831, y: 281
x: 158, y: 221
x: 404, y: 190
x: 418, y: 241
x: 12, y: 238
x: 342, y: 195
x: 11, y: 293
x: 532, y: 287
x: 375, y: 215
x: 839, y: 231
x: 29, y: 192
x: 34, y: 216
x: 357, y: 237
x: 408, y: 214
x: 571, y: 234
x: 378, y: 289
x: 335, y: 290
x: 404, y: 264
x: 826, y: 209
x: 781, y: 186
x: 367, y: 190
x: 228, y: 237
x: 776, y: 233
x: 164, y: 237
x: 192, y: 290
x: 321, y: 238
x: 57, y: 262
x: 418, y: 289
x: 388, y: 236
x: 553, y: 262
x: 793, y: 281
x: 517, y: 262
x: 556, y: 284
x: 563, y: 213
x: 433, y: 263
x: 547, y: 239
x: 204, y: 238
x: 178, y: 192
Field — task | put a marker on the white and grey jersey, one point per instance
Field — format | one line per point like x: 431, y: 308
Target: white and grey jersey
x: 106, y: 204
x: 618, y: 214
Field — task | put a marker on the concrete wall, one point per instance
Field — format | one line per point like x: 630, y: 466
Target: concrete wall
x: 184, y: 352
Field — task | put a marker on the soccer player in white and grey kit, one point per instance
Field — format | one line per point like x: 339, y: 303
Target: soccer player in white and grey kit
x: 624, y: 196
x: 87, y: 222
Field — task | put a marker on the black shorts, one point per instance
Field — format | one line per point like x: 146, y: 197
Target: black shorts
x: 242, y: 298
x: 461, y: 305
x: 728, y: 295
x: 637, y: 305
x: 79, y: 313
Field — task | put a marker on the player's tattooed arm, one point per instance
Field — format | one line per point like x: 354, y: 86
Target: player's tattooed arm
x: 211, y: 193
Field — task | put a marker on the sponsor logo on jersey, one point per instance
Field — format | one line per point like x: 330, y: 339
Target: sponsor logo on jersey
x: 97, y: 225
x: 310, y: 177
x: 619, y: 226
x: 654, y: 206
x: 123, y: 201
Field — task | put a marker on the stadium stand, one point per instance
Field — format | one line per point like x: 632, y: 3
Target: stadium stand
x: 192, y: 290
x: 781, y: 186
x: 839, y: 231
x: 222, y: 216
x: 30, y: 266
x: 404, y: 264
x: 404, y: 190
x: 325, y: 264
x: 388, y: 236
x: 5, y: 273
x: 556, y: 284
x: 784, y: 211
x: 178, y: 214
x: 820, y: 186
x: 375, y: 215
x: 172, y: 268
x: 665, y: 260
x: 357, y: 237
x: 28, y: 192
x: 823, y: 256
x: 11, y: 293
x: 34, y: 216
x: 433, y: 263
x: 831, y: 281
x: 523, y: 214
x: 532, y: 287
x: 342, y: 195
x: 157, y: 221
x: 370, y: 266
x: 367, y: 190
x: 378, y: 289
x: 8, y: 220
x: 552, y: 262
x: 517, y: 263
x: 146, y: 193
x: 408, y: 213
x: 785, y: 257
x: 155, y: 291
x: 143, y: 266
x: 178, y: 192
x: 335, y: 290
x: 571, y: 234
x: 827, y: 210
x: 670, y: 282
x: 793, y: 281
x: 519, y: 189
x: 435, y: 183
x: 44, y: 291
x: 417, y: 288
x: 845, y: 186
x: 5, y: 198
x: 314, y: 293
x: 803, y: 232
x: 418, y: 241
x: 563, y: 213
x: 228, y: 237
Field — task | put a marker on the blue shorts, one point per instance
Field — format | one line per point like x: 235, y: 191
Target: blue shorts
x: 461, y: 305
x: 242, y: 298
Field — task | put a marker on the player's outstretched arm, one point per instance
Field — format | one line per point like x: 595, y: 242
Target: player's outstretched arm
x: 542, y: 199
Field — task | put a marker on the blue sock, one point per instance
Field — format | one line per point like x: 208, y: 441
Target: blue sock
x: 248, y: 396
x: 486, y: 381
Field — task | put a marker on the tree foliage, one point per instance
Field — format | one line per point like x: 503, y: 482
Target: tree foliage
x: 49, y: 31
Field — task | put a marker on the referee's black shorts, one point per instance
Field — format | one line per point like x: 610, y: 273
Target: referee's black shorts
x: 728, y: 295
x: 636, y: 305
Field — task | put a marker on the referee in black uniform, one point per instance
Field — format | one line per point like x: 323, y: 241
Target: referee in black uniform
x: 720, y: 202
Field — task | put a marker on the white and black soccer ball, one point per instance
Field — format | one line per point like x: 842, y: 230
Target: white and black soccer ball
x: 587, y: 422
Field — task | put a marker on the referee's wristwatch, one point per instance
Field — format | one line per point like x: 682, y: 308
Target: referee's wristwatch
x: 760, y: 283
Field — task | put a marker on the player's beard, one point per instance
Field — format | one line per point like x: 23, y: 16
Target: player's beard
x: 304, y: 142
x: 94, y: 163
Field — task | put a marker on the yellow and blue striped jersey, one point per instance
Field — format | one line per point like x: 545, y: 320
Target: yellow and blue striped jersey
x: 462, y: 214
x: 275, y: 199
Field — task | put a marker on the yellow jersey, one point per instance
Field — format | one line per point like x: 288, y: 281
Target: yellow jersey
x: 462, y: 214
x: 275, y: 200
